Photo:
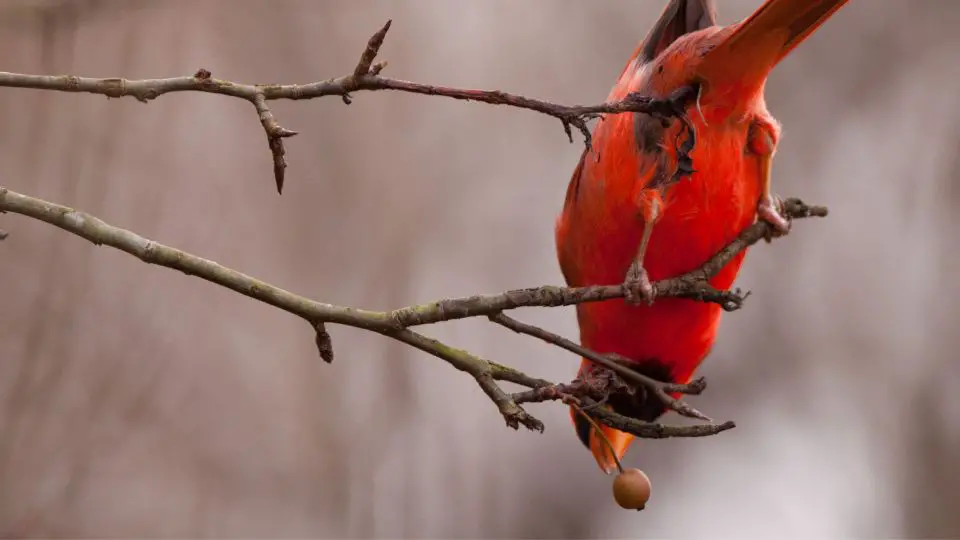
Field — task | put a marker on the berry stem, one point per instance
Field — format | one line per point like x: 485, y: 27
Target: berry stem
x: 600, y: 433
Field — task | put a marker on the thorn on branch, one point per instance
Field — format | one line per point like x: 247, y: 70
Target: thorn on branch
x: 324, y: 343
x: 3, y: 234
x: 275, y: 135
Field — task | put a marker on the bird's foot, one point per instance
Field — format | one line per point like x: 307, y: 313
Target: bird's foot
x: 637, y: 285
x: 770, y: 209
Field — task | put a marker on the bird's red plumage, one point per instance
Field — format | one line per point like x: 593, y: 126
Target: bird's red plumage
x: 618, y: 181
x: 601, y: 224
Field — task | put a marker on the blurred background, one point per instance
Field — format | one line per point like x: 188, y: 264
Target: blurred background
x: 136, y: 401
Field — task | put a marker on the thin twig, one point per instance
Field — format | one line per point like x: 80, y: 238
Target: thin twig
x: 99, y: 232
x: 501, y: 372
x: 556, y: 392
x: 649, y: 430
x: 364, y: 77
x: 583, y: 395
x: 481, y: 370
x: 486, y: 373
x: 692, y: 285
x: 657, y: 388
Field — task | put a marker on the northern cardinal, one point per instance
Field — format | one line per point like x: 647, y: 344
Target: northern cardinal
x: 630, y: 218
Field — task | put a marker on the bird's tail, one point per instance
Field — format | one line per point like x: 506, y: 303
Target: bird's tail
x: 741, y: 62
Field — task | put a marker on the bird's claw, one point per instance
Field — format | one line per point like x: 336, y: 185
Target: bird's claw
x: 637, y: 285
x: 770, y: 209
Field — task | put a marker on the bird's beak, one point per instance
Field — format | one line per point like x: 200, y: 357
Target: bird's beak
x: 619, y: 440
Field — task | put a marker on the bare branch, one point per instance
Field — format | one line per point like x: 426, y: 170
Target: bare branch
x: 100, y: 233
x: 395, y: 323
x: 95, y: 230
x: 559, y: 392
x: 692, y: 285
x: 364, y: 77
x: 481, y: 370
x: 501, y: 372
x: 653, y: 430
x: 614, y: 381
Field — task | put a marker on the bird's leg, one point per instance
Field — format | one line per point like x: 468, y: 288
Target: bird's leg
x: 769, y: 207
x: 637, y: 282
x: 762, y: 142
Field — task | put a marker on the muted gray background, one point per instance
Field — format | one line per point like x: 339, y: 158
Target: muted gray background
x: 136, y: 401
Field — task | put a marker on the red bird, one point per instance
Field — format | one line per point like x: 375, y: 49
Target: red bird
x: 630, y: 218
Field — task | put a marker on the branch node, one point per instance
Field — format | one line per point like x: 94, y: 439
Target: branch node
x: 378, y: 67
x: 3, y: 234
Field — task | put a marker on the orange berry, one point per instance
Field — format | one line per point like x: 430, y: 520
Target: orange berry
x: 631, y: 489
